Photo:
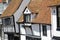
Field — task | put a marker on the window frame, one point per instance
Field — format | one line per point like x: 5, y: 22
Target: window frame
x: 25, y: 17
x: 44, y: 30
x: 4, y: 21
x: 30, y: 30
x: 57, y: 9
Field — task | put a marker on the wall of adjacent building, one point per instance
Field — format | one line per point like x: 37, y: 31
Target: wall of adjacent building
x: 54, y: 22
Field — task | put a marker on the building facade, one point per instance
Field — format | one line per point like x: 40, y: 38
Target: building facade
x: 30, y: 20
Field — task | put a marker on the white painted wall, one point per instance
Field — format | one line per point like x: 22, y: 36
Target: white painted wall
x: 27, y: 11
x: 2, y: 34
x: 6, y: 37
x: 19, y: 12
x: 48, y: 37
x: 22, y: 31
x: 23, y: 37
x: 0, y: 38
x: 54, y: 23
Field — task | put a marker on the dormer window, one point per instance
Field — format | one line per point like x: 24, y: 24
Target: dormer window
x: 27, y: 17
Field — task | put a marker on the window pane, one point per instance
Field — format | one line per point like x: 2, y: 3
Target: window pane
x: 44, y: 28
x: 1, y: 7
x: 7, y: 21
x: 59, y: 15
x: 58, y: 18
x: 28, y: 30
x: 27, y: 18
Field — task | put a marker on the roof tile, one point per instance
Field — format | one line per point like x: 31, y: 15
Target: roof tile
x: 12, y: 7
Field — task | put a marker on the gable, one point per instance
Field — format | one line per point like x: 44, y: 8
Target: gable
x: 27, y: 11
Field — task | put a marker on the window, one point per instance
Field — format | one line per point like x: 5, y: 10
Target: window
x: 28, y: 30
x: 27, y: 17
x: 7, y: 21
x: 58, y: 18
x: 1, y: 7
x: 44, y: 28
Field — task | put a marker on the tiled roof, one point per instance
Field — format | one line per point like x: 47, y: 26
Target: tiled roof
x: 41, y: 7
x: 12, y: 7
x: 54, y: 2
x: 44, y: 12
x: 0, y: 1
